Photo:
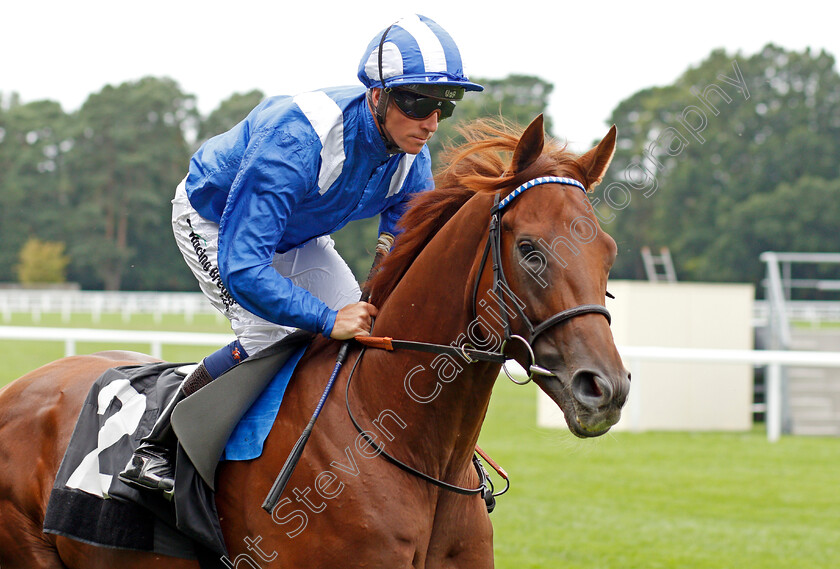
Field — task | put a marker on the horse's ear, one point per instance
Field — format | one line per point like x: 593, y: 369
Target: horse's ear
x: 596, y: 161
x: 530, y: 145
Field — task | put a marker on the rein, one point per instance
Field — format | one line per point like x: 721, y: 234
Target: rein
x: 471, y: 355
x: 485, y: 485
x: 492, y: 250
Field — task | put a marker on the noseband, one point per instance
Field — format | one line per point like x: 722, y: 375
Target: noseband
x: 493, y: 250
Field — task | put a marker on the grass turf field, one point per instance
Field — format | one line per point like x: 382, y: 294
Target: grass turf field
x: 622, y: 501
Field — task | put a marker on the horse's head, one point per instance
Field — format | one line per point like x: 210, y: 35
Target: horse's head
x: 555, y: 261
x: 541, y: 279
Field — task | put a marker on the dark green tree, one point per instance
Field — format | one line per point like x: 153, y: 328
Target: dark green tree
x: 691, y: 153
x: 801, y: 216
x: 34, y: 141
x: 129, y: 154
x: 229, y: 113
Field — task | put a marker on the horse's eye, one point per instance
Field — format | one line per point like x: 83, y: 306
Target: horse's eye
x: 526, y: 248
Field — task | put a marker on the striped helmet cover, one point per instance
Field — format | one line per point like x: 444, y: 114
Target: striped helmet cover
x: 415, y: 50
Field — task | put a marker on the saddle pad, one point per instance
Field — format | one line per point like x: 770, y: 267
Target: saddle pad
x: 88, y: 503
x: 247, y: 439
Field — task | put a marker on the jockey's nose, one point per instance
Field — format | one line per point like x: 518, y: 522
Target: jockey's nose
x: 430, y: 123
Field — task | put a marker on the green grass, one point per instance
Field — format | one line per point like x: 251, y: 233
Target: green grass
x: 20, y: 357
x: 622, y: 501
x: 814, y: 325
x: 660, y: 500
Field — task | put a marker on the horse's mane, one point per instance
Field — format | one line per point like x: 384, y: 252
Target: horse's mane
x: 478, y: 165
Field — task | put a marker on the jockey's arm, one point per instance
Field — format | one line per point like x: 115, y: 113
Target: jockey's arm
x: 355, y: 319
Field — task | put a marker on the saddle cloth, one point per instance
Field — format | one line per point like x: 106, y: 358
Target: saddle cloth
x: 89, y: 503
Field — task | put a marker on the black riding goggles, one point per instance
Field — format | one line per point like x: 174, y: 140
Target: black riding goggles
x: 419, y: 107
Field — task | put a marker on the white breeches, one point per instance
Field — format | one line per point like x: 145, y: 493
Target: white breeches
x: 315, y: 266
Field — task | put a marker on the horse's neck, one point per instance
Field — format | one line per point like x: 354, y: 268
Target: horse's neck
x: 441, y: 399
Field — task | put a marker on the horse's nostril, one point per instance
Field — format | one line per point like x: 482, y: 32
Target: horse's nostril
x: 590, y: 388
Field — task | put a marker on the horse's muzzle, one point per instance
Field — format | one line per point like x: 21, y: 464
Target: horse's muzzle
x: 598, y: 399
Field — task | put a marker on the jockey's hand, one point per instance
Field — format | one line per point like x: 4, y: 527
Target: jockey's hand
x: 353, y: 320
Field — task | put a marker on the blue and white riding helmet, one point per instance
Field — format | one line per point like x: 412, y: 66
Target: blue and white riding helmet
x: 414, y: 51
x: 414, y: 54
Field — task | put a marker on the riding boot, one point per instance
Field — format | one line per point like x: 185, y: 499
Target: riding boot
x: 152, y: 467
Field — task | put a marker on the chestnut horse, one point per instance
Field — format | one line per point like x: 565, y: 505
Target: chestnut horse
x: 537, y: 285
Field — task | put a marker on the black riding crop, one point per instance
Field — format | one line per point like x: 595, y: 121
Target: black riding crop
x: 294, y: 456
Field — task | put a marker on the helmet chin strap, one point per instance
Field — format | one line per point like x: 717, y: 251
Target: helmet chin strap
x: 381, y: 107
x: 379, y: 111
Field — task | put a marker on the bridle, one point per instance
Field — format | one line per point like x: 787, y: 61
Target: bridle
x: 492, y: 251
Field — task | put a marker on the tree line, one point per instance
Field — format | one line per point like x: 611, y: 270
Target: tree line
x: 98, y: 182
x: 736, y: 157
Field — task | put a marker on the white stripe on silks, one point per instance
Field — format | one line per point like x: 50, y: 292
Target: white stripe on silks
x: 400, y: 174
x: 392, y: 62
x: 434, y: 56
x: 326, y: 118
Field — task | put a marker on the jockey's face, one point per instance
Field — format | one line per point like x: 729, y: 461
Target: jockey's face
x: 408, y: 133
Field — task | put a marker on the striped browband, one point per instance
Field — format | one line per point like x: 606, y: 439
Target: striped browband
x: 536, y: 182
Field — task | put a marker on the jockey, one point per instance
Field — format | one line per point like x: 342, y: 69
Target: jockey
x: 253, y: 216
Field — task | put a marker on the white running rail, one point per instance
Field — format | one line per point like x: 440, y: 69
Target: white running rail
x: 71, y: 336
x: 634, y: 356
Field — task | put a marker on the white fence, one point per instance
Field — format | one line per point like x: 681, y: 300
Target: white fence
x: 634, y: 356
x: 774, y: 360
x: 813, y: 312
x: 69, y: 302
x: 156, y: 340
